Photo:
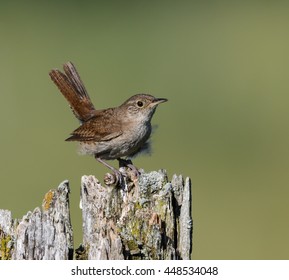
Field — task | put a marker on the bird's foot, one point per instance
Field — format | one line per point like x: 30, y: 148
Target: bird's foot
x: 117, y: 178
x: 128, y: 163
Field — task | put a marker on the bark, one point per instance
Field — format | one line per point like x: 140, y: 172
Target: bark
x: 39, y: 235
x: 149, y: 218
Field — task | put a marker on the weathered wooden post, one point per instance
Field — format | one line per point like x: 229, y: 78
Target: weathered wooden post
x: 148, y: 218
x: 42, y: 234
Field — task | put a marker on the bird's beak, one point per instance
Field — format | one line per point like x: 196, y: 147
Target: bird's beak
x: 159, y: 100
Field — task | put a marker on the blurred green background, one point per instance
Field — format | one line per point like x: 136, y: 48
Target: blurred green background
x: 224, y: 67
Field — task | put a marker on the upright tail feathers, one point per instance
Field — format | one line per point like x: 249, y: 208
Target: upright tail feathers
x: 72, y: 88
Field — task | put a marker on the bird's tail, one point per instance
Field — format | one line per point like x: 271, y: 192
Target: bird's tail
x: 72, y: 88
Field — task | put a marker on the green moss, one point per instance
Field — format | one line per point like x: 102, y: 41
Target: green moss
x: 5, y: 246
x: 132, y: 245
x: 160, y: 207
x: 135, y: 228
x: 137, y: 206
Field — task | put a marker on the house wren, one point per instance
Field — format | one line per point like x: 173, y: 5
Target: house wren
x: 110, y: 133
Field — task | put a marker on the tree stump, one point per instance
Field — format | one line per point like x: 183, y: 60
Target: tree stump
x: 148, y: 219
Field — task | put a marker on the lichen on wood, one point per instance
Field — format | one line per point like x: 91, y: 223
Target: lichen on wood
x: 39, y: 235
x: 148, y: 218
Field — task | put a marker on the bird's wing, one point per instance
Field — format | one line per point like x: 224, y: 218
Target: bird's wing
x: 101, y: 127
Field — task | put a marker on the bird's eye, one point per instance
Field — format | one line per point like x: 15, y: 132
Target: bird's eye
x: 139, y: 104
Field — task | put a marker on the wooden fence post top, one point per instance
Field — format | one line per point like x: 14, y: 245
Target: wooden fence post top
x: 148, y: 218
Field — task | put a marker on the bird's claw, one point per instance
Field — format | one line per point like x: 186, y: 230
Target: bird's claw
x: 128, y: 163
x: 114, y: 179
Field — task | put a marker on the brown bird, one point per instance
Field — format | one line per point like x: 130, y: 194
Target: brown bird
x: 111, y: 133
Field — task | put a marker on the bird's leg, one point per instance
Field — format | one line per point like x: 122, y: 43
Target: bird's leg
x: 117, y: 173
